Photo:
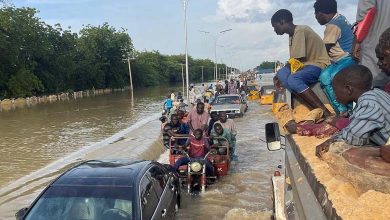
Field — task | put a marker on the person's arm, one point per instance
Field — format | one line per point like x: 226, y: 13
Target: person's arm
x: 205, y: 121
x: 206, y: 144
x: 234, y: 129
x: 324, y: 147
x: 173, y: 134
x: 355, y: 49
x: 332, y: 34
x: 277, y: 83
x: 298, y: 46
x: 186, y: 146
x: 189, y: 121
x: 328, y: 47
x: 364, y: 121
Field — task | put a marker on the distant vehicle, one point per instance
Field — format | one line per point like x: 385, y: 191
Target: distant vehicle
x: 253, y: 92
x: 233, y: 104
x: 115, y: 190
x: 267, y: 94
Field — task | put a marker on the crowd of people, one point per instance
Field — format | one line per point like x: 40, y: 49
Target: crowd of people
x: 201, y: 131
x: 353, y: 69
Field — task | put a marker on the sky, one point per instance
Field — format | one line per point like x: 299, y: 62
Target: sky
x: 159, y: 24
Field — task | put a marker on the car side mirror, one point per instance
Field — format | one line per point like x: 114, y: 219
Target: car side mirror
x: 21, y: 213
x: 272, y: 136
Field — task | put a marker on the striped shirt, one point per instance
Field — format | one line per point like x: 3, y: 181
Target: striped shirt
x: 370, y: 120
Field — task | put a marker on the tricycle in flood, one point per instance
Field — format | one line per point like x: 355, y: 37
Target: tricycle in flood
x: 197, y: 171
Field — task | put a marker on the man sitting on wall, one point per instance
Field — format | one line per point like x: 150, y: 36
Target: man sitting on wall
x: 308, y: 57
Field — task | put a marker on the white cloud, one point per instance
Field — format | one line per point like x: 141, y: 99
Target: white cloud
x: 245, y: 10
x: 253, y: 37
x: 56, y: 2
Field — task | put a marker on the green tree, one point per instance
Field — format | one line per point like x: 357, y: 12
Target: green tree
x: 36, y: 58
x: 24, y: 83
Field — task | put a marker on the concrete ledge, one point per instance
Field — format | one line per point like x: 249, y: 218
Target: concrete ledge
x: 317, y: 187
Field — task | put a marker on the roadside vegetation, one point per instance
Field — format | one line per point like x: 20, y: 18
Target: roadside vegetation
x: 38, y: 59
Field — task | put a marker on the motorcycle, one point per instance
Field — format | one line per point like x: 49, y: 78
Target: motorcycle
x: 193, y: 175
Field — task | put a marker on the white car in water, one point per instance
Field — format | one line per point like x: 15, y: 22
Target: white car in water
x: 233, y: 104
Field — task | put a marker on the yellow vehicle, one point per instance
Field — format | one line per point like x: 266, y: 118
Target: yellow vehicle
x: 279, y: 100
x: 253, y: 92
x: 267, y: 95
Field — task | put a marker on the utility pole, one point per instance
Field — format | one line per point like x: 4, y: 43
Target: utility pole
x: 202, y: 73
x: 226, y: 75
x: 182, y: 75
x: 131, y: 81
x: 185, y: 2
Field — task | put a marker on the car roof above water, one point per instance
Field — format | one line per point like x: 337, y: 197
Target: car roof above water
x: 115, y: 173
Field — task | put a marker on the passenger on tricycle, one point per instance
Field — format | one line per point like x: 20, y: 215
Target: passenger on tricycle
x: 197, y: 147
x: 175, y: 128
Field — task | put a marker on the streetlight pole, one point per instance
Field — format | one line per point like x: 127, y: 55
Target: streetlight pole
x: 186, y: 48
x: 226, y: 71
x: 215, y: 51
x: 202, y: 73
x: 131, y: 80
x: 182, y: 74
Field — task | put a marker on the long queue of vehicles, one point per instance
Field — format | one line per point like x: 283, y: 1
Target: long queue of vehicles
x: 124, y: 190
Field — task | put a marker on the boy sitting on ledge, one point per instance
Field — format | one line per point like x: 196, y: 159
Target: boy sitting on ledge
x: 370, y: 120
x: 308, y: 52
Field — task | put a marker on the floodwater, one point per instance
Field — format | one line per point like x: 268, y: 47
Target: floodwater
x: 246, y: 192
x: 39, y: 143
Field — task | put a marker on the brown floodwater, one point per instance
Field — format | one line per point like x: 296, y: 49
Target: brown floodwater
x: 39, y: 143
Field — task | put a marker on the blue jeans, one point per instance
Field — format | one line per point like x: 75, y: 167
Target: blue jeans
x: 186, y: 160
x: 299, y: 81
x: 326, y: 78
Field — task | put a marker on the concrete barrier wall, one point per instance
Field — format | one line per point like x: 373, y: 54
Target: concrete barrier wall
x: 10, y: 104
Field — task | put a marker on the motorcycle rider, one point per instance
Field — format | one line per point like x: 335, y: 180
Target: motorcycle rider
x: 197, y: 147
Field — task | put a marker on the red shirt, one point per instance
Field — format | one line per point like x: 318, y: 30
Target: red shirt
x: 198, y: 148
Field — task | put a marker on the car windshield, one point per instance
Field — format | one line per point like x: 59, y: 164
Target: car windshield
x: 252, y: 88
x: 84, y: 202
x: 227, y: 100
x: 267, y: 91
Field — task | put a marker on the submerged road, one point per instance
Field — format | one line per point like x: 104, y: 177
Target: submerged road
x: 246, y: 192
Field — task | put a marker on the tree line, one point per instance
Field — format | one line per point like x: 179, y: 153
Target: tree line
x: 268, y: 65
x: 37, y: 58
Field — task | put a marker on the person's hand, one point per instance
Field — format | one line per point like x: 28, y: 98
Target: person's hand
x: 277, y: 83
x: 323, y: 148
x: 356, y: 51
